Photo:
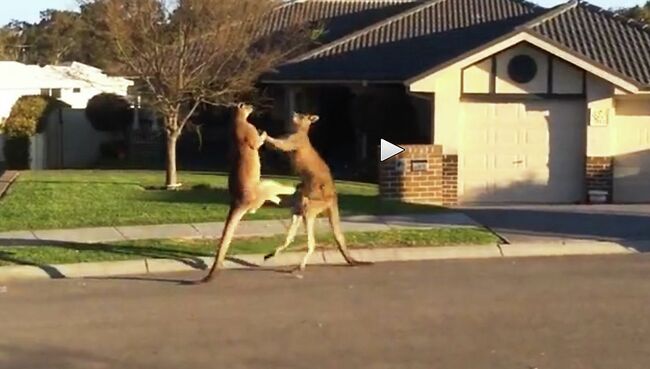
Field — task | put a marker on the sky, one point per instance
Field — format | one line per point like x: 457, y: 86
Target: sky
x: 28, y: 10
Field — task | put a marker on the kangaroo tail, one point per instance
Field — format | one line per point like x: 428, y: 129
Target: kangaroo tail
x: 335, y: 223
x: 268, y: 190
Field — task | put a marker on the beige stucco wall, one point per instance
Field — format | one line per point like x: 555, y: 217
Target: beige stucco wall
x: 600, y: 129
x: 447, y: 110
x: 476, y: 79
x: 631, y: 146
x: 567, y: 79
x: 632, y: 125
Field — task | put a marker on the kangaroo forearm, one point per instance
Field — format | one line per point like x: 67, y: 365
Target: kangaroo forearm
x: 282, y: 145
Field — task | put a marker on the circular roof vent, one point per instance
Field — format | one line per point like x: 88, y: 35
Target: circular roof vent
x: 522, y: 68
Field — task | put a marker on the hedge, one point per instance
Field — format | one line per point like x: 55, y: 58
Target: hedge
x: 27, y: 117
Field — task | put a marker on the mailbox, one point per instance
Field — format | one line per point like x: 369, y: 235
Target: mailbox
x: 418, y: 165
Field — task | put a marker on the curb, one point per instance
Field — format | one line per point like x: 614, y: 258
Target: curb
x: 320, y: 257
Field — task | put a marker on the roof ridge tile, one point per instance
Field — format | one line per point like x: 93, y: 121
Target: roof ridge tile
x: 551, y: 13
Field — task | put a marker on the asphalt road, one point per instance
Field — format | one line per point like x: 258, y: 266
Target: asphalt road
x: 565, y: 313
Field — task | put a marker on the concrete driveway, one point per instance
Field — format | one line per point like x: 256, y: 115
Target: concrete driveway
x: 618, y: 223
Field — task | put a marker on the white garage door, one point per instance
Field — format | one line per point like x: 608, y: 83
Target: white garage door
x: 524, y: 152
x: 632, y: 162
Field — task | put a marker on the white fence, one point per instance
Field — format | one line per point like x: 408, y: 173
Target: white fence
x: 71, y: 141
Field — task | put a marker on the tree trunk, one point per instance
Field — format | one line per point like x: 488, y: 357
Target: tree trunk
x: 171, y: 176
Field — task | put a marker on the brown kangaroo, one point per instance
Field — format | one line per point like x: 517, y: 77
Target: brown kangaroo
x: 247, y: 192
x: 316, y: 193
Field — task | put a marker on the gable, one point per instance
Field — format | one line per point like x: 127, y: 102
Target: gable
x: 535, y: 72
x: 425, y: 82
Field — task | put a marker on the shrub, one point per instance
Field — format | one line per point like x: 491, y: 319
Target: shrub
x: 109, y: 113
x: 16, y: 150
x: 27, y: 117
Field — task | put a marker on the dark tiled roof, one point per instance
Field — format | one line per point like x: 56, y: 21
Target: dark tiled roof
x: 430, y: 18
x: 437, y: 31
x: 395, y: 62
x: 616, y: 42
x: 411, y: 42
x: 338, y: 17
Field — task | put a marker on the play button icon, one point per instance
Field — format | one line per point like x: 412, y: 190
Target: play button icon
x: 388, y: 150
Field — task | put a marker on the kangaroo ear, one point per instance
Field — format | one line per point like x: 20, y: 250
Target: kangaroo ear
x: 314, y: 118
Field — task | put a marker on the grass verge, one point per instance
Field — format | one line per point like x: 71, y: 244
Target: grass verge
x: 87, y: 198
x: 184, y: 249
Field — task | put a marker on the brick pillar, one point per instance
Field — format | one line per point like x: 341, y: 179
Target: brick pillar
x: 450, y: 179
x: 600, y: 175
x: 415, y: 175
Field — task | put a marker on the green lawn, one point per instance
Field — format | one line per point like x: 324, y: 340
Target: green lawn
x: 187, y: 249
x: 69, y: 199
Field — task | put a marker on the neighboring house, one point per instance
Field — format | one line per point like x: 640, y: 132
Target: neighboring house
x: 536, y: 105
x: 72, y: 83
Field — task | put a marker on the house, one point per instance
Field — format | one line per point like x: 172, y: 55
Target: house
x: 525, y: 104
x: 72, y: 83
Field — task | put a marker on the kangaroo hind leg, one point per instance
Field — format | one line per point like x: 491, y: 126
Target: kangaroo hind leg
x: 310, y: 220
x: 234, y: 217
x: 291, y: 235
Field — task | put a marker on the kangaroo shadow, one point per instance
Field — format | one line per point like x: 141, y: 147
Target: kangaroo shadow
x: 193, y: 259
x: 190, y: 258
x: 30, y: 356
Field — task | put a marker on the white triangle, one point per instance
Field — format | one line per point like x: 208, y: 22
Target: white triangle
x: 388, y: 150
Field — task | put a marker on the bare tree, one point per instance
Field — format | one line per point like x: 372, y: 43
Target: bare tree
x: 192, y: 52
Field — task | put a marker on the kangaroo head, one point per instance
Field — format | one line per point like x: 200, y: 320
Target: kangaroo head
x: 304, y: 121
x: 243, y: 110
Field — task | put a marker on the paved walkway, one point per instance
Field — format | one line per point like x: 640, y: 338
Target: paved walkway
x: 245, y: 229
x: 6, y: 179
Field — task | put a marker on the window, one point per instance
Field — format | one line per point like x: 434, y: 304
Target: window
x: 76, y: 90
x: 522, y: 69
x: 53, y: 92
